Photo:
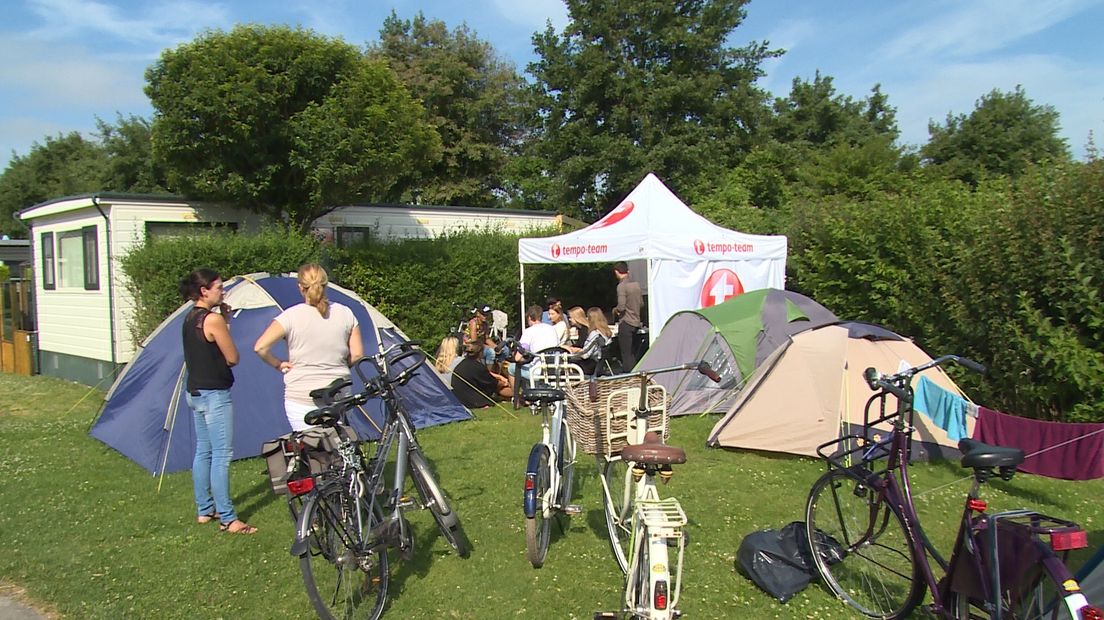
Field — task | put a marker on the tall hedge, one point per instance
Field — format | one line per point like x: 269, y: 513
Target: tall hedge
x: 154, y: 268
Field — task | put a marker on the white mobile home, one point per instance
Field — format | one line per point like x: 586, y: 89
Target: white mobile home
x: 83, y: 307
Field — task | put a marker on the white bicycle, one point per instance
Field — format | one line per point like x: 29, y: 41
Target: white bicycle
x: 646, y: 531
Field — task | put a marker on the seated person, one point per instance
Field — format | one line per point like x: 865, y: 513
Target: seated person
x: 473, y: 384
x: 590, y: 354
x: 578, y: 327
x: 479, y: 329
x: 535, y: 338
x: 449, y: 355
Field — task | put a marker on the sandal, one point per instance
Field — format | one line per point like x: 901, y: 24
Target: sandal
x: 205, y: 519
x: 242, y: 528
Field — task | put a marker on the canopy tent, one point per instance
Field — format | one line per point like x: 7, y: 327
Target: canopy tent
x: 146, y: 418
x: 811, y: 390
x: 735, y: 337
x: 691, y: 262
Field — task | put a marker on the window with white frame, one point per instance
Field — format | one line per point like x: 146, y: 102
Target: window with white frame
x: 78, y: 259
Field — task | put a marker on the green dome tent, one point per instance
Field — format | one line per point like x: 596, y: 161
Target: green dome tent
x: 734, y: 337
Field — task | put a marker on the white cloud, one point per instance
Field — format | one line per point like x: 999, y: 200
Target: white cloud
x: 534, y: 13
x: 64, y: 76
x: 963, y: 28
x: 790, y: 35
x: 160, y: 24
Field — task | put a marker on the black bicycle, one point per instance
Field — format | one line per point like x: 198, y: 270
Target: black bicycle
x: 869, y: 547
x: 352, y: 517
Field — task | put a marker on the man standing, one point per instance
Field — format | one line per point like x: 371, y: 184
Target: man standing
x: 627, y: 313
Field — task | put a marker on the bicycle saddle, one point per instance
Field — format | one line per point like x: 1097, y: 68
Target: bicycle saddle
x: 543, y: 395
x: 978, y: 454
x: 653, y: 452
x: 330, y: 391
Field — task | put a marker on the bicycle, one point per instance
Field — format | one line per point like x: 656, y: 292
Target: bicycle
x: 351, y: 516
x: 867, y: 543
x: 550, y: 470
x: 642, y: 526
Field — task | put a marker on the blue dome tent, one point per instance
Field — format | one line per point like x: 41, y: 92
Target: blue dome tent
x: 146, y: 417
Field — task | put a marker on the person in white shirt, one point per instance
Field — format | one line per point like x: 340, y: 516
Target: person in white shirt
x: 535, y: 338
x: 323, y: 339
x: 559, y: 324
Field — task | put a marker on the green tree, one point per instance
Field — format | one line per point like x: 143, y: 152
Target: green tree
x: 471, y: 97
x: 63, y: 165
x: 130, y: 163
x: 285, y: 122
x: 814, y: 114
x: 1004, y: 134
x: 638, y: 86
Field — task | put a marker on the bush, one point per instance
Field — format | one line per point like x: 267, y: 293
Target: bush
x: 154, y: 268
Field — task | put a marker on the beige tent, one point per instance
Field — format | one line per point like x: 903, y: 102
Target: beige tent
x: 812, y: 390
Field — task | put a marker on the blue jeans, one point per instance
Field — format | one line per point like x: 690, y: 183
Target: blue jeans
x: 214, y: 431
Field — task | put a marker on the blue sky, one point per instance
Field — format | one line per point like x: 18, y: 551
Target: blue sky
x: 66, y: 62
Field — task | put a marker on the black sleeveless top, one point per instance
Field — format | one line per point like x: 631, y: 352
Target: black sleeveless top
x: 207, y: 368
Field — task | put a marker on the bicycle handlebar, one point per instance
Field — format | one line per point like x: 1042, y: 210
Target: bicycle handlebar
x: 897, y: 384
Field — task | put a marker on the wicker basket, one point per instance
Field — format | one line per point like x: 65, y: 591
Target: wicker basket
x: 600, y: 427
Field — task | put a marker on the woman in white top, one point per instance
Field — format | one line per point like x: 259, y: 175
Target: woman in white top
x: 323, y: 339
x: 556, y: 316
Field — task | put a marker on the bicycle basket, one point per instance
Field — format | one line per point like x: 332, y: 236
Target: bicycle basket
x: 596, y: 432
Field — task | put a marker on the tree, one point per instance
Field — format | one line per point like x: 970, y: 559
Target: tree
x: 471, y: 97
x: 1004, y: 134
x: 813, y: 114
x: 63, y: 166
x: 130, y: 164
x: 638, y: 86
x: 285, y: 122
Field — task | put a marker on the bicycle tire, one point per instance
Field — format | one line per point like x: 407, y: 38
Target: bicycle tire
x: 448, y: 522
x: 538, y: 528
x: 342, y: 582
x: 641, y: 578
x: 861, y: 548
x: 618, y: 504
x: 566, y: 459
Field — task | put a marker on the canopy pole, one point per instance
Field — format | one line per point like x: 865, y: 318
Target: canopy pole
x: 521, y: 286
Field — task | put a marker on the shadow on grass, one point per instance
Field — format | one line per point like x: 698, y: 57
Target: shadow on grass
x: 255, y: 498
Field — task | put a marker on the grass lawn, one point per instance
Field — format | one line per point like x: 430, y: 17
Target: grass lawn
x: 88, y: 535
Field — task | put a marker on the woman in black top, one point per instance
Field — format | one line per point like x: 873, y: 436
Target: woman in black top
x: 209, y: 352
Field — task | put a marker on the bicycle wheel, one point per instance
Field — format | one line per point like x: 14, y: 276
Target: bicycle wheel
x: 538, y: 528
x: 344, y: 581
x: 617, y: 487
x: 860, y: 547
x: 567, y: 465
x: 434, y: 498
x: 1043, y: 600
x: 641, y: 579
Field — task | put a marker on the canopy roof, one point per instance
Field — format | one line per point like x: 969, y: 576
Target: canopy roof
x: 651, y: 223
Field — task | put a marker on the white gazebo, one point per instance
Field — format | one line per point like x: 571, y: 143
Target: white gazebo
x: 691, y: 262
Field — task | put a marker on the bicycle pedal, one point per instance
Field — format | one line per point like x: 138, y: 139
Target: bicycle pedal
x: 603, y: 615
x: 572, y: 509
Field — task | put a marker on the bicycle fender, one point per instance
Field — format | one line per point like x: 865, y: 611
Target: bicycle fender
x: 529, y: 498
x: 299, y: 547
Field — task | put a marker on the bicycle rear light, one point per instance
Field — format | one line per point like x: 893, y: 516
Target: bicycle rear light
x: 1091, y: 612
x: 660, y: 596
x: 529, y: 484
x: 1065, y: 541
x: 299, y: 487
x: 977, y: 505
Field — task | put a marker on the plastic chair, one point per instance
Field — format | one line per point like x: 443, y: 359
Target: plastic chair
x: 499, y: 319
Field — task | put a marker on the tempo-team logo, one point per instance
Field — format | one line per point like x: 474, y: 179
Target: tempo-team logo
x: 722, y: 247
x: 555, y: 250
x: 699, y: 247
x: 721, y: 285
x: 621, y: 212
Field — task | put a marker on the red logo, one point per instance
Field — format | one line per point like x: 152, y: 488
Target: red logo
x: 699, y: 247
x: 555, y: 250
x: 621, y: 212
x: 721, y: 285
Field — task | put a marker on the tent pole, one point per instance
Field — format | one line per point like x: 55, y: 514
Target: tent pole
x: 521, y: 286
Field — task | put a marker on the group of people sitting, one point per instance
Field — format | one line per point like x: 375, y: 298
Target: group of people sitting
x: 469, y: 361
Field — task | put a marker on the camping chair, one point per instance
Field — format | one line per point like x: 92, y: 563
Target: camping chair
x: 499, y: 319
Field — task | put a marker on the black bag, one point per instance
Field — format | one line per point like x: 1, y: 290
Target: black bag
x: 780, y: 562
x: 300, y: 454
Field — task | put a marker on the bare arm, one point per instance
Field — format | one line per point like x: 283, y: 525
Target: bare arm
x: 217, y: 331
x: 356, y: 345
x: 263, y: 347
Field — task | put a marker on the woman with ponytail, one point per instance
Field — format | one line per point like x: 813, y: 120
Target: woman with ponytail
x: 323, y: 340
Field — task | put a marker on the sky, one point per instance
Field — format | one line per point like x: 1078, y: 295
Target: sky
x: 63, y: 63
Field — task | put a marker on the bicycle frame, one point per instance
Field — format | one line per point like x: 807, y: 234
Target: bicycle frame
x: 555, y: 372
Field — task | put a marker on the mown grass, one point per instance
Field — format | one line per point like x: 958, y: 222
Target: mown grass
x: 88, y: 535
